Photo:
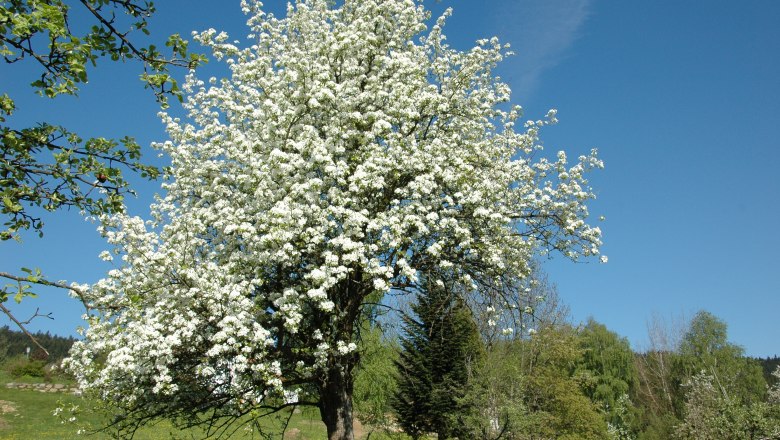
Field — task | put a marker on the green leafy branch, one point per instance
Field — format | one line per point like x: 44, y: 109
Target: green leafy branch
x: 47, y: 167
x: 41, y: 30
x: 66, y: 177
x: 21, y: 287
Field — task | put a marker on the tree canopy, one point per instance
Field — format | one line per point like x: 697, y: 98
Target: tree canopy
x: 350, y: 150
x: 606, y: 369
x: 705, y: 349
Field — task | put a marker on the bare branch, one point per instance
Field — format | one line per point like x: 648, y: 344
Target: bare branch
x: 23, y: 328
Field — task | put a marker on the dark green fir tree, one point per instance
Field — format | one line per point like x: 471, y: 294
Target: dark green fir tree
x: 440, y: 349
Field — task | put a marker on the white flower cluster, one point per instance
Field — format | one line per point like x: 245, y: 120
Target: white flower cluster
x: 341, y: 157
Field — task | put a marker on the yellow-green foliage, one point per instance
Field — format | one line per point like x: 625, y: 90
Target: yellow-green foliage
x: 558, y: 407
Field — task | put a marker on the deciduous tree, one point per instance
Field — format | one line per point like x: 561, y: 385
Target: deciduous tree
x: 705, y: 348
x: 607, y: 371
x: 711, y: 413
x: 350, y: 150
x: 558, y: 406
x: 48, y: 167
x: 375, y: 379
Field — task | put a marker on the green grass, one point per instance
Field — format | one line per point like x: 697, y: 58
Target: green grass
x: 33, y: 419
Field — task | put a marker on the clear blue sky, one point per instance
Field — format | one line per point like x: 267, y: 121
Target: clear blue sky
x: 681, y: 98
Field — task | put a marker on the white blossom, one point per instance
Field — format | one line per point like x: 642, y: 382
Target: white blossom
x: 350, y: 150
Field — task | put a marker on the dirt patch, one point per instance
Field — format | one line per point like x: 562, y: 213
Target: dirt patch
x: 357, y: 428
x: 7, y: 407
x: 292, y: 433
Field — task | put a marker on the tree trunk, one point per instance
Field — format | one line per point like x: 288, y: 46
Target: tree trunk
x: 336, y: 402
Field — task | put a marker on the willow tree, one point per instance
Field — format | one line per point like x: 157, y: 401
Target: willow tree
x: 349, y: 149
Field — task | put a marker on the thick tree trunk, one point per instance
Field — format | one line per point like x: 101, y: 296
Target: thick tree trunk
x: 336, y: 402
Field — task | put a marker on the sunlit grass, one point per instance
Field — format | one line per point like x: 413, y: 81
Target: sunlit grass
x: 32, y: 418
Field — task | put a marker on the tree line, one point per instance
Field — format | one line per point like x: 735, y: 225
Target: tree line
x: 15, y: 343
x: 447, y: 372
x: 564, y: 381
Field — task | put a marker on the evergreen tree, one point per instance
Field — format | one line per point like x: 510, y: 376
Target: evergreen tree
x: 769, y: 366
x: 15, y: 343
x: 440, y: 348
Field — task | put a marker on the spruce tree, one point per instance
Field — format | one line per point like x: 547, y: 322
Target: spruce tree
x: 440, y: 347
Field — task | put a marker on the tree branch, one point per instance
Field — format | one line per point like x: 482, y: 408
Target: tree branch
x: 22, y: 327
x: 44, y: 282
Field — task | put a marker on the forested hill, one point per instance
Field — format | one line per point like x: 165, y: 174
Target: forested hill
x: 14, y: 343
x: 769, y: 364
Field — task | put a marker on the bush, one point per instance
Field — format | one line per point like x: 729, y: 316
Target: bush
x: 21, y: 366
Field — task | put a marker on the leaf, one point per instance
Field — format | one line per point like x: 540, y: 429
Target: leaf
x: 21, y: 293
x: 11, y: 205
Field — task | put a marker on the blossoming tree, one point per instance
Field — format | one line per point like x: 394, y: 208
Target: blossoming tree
x: 350, y: 150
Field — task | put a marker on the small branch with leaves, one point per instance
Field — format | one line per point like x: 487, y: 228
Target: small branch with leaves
x: 22, y: 285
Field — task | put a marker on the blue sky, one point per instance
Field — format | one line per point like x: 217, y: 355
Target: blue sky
x: 682, y: 100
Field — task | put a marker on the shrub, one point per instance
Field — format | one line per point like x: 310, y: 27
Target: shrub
x: 21, y: 366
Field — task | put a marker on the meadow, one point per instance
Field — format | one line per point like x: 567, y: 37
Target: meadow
x: 29, y: 414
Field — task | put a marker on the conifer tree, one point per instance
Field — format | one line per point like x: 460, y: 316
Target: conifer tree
x: 440, y: 349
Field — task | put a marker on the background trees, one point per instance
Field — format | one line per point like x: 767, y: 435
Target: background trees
x: 557, y: 403
x: 705, y: 348
x: 656, y: 391
x: 607, y: 372
x: 710, y: 412
x: 702, y: 387
x: 376, y: 378
x: 721, y: 394
x: 13, y: 343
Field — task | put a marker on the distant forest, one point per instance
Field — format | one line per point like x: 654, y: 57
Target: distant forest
x: 769, y: 364
x: 14, y: 343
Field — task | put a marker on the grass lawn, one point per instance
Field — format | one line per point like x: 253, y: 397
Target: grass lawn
x: 28, y: 414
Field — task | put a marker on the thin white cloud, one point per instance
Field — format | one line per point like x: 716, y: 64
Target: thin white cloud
x: 540, y: 32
